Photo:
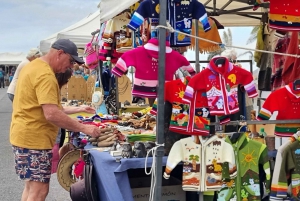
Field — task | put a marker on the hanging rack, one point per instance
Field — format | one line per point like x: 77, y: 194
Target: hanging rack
x: 254, y: 122
x: 95, y: 32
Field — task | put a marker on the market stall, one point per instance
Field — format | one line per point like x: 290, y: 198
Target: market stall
x: 195, y: 123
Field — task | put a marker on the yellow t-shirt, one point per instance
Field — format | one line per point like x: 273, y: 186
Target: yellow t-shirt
x: 37, y: 85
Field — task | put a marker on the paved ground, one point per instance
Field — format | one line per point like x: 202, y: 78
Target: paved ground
x: 10, y: 187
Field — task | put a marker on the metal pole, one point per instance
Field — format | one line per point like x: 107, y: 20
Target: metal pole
x: 197, y: 66
x: 160, y: 95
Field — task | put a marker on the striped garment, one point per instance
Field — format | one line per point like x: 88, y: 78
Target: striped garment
x: 275, y: 187
x: 145, y: 61
x: 221, y: 86
x: 290, y: 169
x: 287, y: 102
x: 179, y: 15
x: 283, y: 15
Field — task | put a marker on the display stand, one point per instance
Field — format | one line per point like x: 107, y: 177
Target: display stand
x: 90, y: 88
x: 77, y: 88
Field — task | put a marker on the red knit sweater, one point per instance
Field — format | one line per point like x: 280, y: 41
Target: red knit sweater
x: 287, y: 102
x: 182, y: 112
x: 220, y: 84
x: 284, y: 14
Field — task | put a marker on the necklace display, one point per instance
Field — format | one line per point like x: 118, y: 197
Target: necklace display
x: 122, y: 86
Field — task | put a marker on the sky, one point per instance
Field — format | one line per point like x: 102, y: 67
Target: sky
x: 24, y: 23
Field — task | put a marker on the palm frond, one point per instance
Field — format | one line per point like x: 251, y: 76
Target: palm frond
x: 253, y: 35
x: 229, y: 37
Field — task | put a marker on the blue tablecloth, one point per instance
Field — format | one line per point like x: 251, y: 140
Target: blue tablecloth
x: 112, y: 178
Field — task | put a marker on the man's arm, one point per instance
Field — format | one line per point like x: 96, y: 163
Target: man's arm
x: 74, y: 109
x: 54, y: 115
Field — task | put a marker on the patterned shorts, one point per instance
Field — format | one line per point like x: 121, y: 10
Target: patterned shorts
x: 33, y: 165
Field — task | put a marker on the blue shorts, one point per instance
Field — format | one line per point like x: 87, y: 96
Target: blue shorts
x: 33, y: 165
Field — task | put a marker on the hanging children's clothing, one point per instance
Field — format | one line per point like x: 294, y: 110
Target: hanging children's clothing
x: 284, y: 15
x: 281, y: 47
x: 249, y: 154
x: 290, y: 168
x: 180, y: 119
x: 287, y: 102
x: 220, y: 84
x: 279, y: 189
x: 291, y: 69
x: 179, y: 14
x: 145, y: 61
x: 205, y: 164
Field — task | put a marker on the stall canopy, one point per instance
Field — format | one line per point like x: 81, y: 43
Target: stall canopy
x: 79, y: 33
x: 8, y: 58
x: 227, y: 12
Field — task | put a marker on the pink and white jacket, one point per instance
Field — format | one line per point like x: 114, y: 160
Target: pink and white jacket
x: 145, y: 61
x: 221, y: 86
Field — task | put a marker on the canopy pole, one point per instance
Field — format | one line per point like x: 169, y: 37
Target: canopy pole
x: 197, y: 65
x: 161, y: 91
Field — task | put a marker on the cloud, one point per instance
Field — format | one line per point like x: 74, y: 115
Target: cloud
x: 25, y: 23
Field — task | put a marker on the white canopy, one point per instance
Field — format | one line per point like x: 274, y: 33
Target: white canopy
x: 8, y: 58
x: 79, y: 33
x: 108, y: 10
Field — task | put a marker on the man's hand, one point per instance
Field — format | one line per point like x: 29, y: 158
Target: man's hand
x: 87, y: 109
x: 91, y: 130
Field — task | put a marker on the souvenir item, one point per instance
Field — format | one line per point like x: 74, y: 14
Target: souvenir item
x: 139, y: 150
x: 126, y: 150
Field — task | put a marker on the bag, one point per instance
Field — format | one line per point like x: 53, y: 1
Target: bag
x: 91, y: 55
x: 86, y: 188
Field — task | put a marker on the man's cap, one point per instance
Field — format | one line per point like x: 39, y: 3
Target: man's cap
x: 68, y: 47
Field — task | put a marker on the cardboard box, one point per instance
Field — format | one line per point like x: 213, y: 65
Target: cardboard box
x: 171, y: 189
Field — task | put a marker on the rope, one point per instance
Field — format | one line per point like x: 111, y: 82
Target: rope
x: 172, y: 30
x: 152, y: 169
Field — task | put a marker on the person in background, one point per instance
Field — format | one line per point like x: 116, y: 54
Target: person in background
x: 2, y: 75
x: 31, y: 55
x: 231, y: 55
x: 86, y: 74
x: 62, y: 79
x: 76, y: 70
x: 37, y: 116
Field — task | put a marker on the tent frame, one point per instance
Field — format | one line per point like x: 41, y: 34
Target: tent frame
x: 221, y: 11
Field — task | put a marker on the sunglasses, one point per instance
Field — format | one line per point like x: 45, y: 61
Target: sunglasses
x: 72, y: 61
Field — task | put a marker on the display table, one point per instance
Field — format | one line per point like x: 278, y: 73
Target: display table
x: 112, y: 177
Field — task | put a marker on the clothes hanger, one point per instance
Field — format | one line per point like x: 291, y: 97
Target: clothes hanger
x: 235, y: 136
x: 296, y: 85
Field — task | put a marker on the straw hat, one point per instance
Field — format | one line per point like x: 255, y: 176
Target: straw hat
x: 64, y: 169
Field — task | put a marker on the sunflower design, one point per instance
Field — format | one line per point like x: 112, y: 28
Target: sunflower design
x: 180, y: 37
x: 249, y: 158
x: 180, y: 93
x: 157, y: 8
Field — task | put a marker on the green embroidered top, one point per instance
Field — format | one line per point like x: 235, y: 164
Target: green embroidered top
x: 249, y: 154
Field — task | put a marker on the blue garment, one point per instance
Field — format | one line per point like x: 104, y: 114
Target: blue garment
x: 107, y: 78
x: 179, y: 14
x: 1, y: 74
x: 102, y: 109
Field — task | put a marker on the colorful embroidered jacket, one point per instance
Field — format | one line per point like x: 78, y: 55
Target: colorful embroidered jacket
x: 145, y: 61
x: 205, y: 164
x: 287, y: 102
x: 220, y: 84
x: 290, y: 166
x: 180, y: 14
x: 182, y: 110
x: 277, y: 190
x: 249, y: 154
x: 283, y: 15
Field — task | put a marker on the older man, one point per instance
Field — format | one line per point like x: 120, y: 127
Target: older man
x: 37, y: 114
x: 31, y: 55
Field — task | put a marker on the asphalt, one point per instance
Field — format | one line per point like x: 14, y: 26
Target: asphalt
x: 10, y: 187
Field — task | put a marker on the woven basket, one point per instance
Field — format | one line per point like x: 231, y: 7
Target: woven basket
x: 270, y: 142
